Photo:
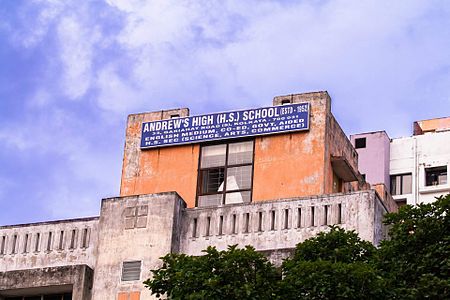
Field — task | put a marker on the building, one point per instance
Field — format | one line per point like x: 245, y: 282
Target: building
x: 270, y: 177
x: 414, y: 168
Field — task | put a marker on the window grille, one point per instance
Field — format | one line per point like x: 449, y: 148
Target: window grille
x: 131, y: 270
x: 226, y: 174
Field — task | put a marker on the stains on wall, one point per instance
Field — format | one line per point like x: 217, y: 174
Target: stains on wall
x: 285, y: 165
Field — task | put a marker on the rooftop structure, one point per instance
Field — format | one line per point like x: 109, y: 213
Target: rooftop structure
x: 270, y: 177
x: 414, y: 168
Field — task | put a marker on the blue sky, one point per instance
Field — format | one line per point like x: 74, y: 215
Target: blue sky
x: 71, y: 72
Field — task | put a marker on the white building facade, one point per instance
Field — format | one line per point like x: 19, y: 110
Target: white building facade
x: 418, y: 165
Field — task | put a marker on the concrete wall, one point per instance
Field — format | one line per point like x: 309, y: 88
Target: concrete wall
x: 374, y: 158
x: 337, y: 145
x: 76, y: 279
x: 280, y: 170
x: 386, y: 197
x: 415, y: 154
x: 29, y: 252
x: 130, y: 235
x: 284, y: 222
x: 147, y: 227
x: 153, y: 170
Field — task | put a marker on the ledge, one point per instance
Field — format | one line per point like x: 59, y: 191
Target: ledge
x: 434, y: 189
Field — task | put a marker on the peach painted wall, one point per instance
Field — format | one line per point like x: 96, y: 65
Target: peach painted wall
x: 337, y: 144
x: 431, y: 125
x: 129, y: 296
x: 157, y: 170
x: 285, y: 165
x: 292, y: 165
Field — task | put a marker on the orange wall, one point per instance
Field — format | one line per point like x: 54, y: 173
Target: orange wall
x: 158, y: 170
x: 285, y: 165
x: 164, y: 170
x: 129, y: 296
x: 434, y: 124
x: 288, y: 165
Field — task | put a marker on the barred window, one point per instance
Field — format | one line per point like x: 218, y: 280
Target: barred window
x: 226, y: 174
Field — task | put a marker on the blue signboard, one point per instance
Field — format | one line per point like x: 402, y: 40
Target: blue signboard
x: 225, y: 125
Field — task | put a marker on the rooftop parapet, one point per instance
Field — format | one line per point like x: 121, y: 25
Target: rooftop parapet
x: 431, y: 125
x: 48, y: 244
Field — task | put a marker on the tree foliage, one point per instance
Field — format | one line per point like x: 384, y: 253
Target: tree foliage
x: 333, y: 265
x: 231, y: 274
x: 413, y: 264
x: 416, y: 258
x: 337, y: 245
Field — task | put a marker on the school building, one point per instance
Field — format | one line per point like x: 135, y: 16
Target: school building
x: 270, y: 177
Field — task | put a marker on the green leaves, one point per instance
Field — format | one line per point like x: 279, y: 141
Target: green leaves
x: 333, y: 265
x: 416, y: 258
x: 337, y: 245
x: 413, y: 264
x: 231, y: 274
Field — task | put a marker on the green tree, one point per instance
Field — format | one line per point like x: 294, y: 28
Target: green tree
x: 416, y: 258
x: 231, y: 274
x: 413, y: 264
x: 333, y: 265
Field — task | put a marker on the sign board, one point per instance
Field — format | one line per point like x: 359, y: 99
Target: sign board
x: 225, y: 125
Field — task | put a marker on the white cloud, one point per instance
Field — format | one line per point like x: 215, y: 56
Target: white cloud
x: 40, y: 98
x: 246, y: 52
x: 383, y: 62
x: 242, y: 53
x: 77, y: 43
x: 39, y: 24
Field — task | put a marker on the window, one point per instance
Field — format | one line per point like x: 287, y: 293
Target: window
x: 299, y: 217
x: 325, y: 215
x: 3, y: 245
x: 131, y: 270
x: 339, y: 216
x: 38, y: 239
x: 260, y: 221
x: 401, y: 184
x: 285, y: 102
x: 436, y: 176
x: 49, y: 241
x: 272, y: 220
x: 225, y: 174
x: 194, y: 228
x: 208, y: 226
x: 220, y: 225
x: 246, y: 222
x: 25, y: 243
x: 14, y: 245
x: 73, y: 239
x: 233, y: 227
x: 360, y: 143
x: 61, y: 240
x: 84, y: 242
x: 286, y: 218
